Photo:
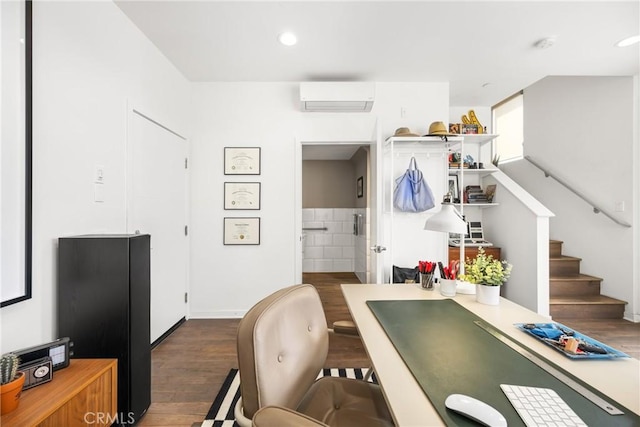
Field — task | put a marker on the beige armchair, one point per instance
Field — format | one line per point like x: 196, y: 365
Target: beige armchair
x: 282, y: 346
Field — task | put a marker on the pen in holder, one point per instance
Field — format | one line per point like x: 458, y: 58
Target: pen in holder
x: 426, y: 280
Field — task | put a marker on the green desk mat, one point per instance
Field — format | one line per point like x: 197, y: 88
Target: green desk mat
x: 448, y: 353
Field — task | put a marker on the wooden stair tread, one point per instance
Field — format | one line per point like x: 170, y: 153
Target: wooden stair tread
x: 564, y: 258
x: 585, y: 300
x: 575, y: 277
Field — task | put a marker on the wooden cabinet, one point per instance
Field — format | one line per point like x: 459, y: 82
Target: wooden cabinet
x: 84, y: 393
x: 472, y: 252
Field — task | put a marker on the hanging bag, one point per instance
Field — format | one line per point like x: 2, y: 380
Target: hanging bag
x: 412, y: 193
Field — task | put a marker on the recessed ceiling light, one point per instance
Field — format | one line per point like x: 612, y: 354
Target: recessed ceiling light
x: 628, y: 41
x: 288, y: 38
x: 545, y: 43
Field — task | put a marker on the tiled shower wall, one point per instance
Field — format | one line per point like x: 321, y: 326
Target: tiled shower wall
x: 332, y: 250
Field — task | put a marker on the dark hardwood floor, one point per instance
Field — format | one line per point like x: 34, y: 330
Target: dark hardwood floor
x: 189, y: 367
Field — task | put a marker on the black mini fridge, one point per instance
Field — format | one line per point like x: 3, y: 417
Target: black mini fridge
x: 104, y: 308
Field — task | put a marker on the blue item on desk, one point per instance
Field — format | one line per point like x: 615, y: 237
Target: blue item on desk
x: 553, y: 335
x: 545, y: 330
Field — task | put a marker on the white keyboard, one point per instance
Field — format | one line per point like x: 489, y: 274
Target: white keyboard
x: 541, y: 406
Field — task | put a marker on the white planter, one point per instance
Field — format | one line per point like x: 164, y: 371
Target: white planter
x: 448, y: 287
x: 489, y: 295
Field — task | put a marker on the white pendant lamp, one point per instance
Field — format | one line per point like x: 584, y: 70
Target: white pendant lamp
x: 448, y: 220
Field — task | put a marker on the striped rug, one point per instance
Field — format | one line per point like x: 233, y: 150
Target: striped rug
x: 221, y: 412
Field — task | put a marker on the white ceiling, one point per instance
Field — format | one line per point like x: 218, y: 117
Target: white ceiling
x: 470, y: 44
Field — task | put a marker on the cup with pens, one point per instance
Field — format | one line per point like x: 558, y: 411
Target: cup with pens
x: 426, y: 269
x: 448, y: 278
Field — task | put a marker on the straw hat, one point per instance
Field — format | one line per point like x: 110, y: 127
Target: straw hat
x: 438, y: 129
x: 404, y: 132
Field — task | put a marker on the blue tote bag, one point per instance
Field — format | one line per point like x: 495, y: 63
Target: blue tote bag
x: 412, y: 193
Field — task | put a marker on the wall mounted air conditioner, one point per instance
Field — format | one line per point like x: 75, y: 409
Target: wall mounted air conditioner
x: 337, y: 96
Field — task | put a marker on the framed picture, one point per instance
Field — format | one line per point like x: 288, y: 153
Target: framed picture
x: 242, y: 195
x: 242, y: 160
x: 241, y: 231
x: 454, y: 189
x: 360, y: 187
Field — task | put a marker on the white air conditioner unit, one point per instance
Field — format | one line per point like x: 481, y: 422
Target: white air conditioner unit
x: 337, y: 96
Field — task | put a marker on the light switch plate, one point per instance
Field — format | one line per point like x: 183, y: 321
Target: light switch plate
x: 98, y: 192
x: 98, y: 175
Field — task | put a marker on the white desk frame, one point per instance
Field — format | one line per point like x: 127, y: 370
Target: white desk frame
x: 619, y: 379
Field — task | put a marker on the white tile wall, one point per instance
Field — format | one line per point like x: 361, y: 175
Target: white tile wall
x: 332, y: 250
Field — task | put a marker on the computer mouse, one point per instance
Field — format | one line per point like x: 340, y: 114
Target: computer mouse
x: 476, y: 410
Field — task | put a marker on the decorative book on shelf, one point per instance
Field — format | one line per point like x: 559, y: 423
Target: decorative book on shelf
x: 475, y: 194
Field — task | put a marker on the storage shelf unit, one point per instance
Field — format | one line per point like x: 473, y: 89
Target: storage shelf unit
x: 397, y: 151
x: 478, y: 142
x: 404, y: 234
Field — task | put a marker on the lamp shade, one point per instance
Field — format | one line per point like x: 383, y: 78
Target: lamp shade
x: 447, y: 220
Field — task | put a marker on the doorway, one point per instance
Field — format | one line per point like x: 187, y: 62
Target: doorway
x: 334, y: 194
x: 334, y: 208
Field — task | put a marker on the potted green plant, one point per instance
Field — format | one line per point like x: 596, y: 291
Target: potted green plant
x: 488, y: 274
x: 11, y: 382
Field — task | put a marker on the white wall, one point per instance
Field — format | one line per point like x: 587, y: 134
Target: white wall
x: 227, y: 280
x: 89, y: 62
x: 582, y: 129
x: 519, y: 225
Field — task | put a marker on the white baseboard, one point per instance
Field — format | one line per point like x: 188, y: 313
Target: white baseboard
x: 635, y: 318
x: 217, y: 314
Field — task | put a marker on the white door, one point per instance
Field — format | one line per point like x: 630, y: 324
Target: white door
x: 157, y: 205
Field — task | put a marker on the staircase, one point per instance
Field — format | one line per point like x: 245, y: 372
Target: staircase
x: 573, y: 295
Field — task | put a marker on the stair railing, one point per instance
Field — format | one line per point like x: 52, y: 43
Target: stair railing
x: 595, y: 207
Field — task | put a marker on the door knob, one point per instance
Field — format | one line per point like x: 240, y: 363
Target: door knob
x: 378, y: 249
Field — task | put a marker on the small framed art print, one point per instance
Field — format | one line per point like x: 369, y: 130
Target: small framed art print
x: 241, y: 231
x: 360, y: 187
x: 242, y: 160
x: 242, y: 195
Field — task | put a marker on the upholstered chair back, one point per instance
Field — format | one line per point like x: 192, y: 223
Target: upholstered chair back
x: 282, y: 345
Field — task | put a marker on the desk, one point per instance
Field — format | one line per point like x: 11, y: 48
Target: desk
x: 85, y: 393
x: 618, y: 379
